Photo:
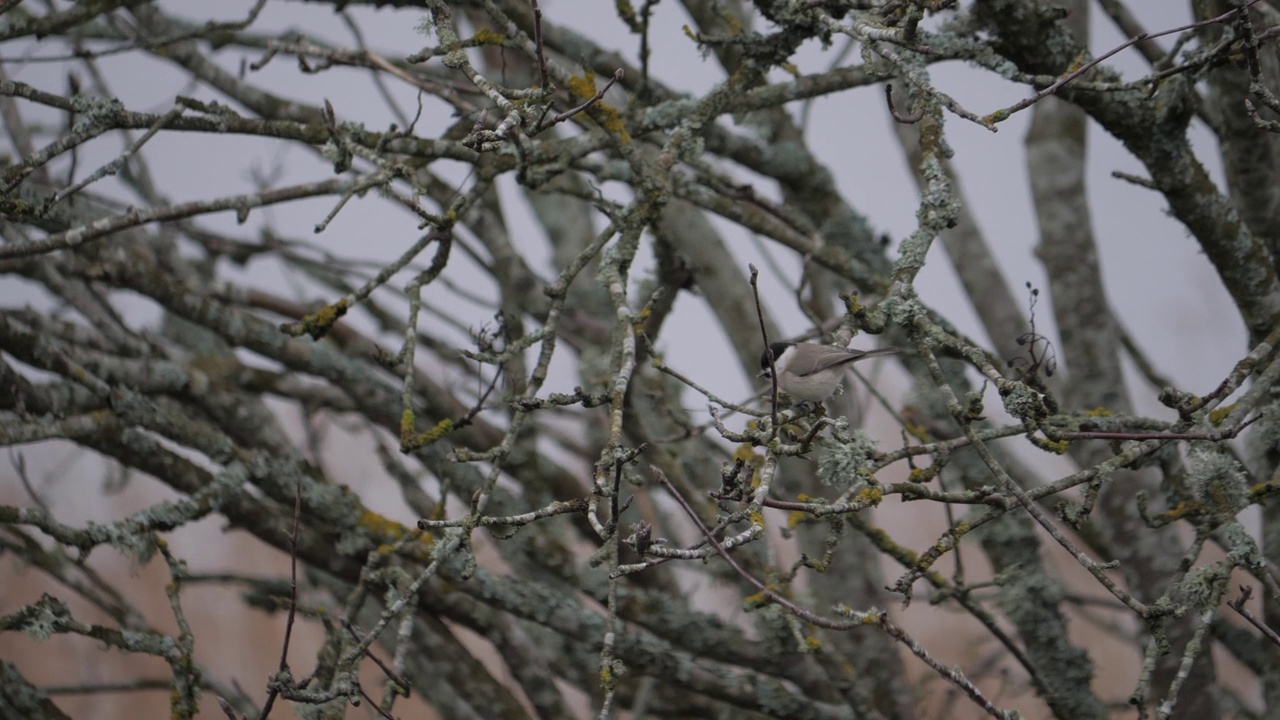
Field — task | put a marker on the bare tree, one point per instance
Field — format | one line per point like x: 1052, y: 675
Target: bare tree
x: 513, y: 222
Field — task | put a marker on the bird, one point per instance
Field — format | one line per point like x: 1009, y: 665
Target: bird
x: 810, y: 372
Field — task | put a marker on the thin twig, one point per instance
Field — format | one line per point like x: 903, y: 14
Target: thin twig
x: 768, y: 354
x: 617, y: 75
x: 1086, y: 67
x: 388, y: 671
x: 227, y: 709
x: 283, y: 670
x: 908, y: 119
x: 538, y: 49
x: 1246, y: 592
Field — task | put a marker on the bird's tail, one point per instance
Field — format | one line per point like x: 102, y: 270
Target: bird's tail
x: 879, y: 351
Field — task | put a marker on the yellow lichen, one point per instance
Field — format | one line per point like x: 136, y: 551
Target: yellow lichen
x: 612, y: 121
x: 735, y: 25
x: 746, y: 454
x: 922, y: 475
x: 626, y: 11
x: 916, y: 431
x: 426, y: 437
x: 1077, y: 63
x: 485, y: 36
x: 584, y: 86
x: 406, y: 425
x: 909, y: 556
x: 1218, y: 415
x: 1058, y: 447
x: 380, y: 525
x: 869, y: 496
x: 1259, y: 492
x: 993, y: 118
x: 318, y: 323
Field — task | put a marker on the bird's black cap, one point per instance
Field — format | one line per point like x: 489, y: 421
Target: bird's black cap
x: 776, y: 349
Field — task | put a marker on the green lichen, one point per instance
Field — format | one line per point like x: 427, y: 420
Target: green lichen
x: 1203, y: 586
x: 844, y: 457
x: 1218, y: 480
x: 41, y: 620
x: 1023, y: 402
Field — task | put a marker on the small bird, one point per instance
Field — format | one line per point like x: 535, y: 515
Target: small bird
x: 809, y: 371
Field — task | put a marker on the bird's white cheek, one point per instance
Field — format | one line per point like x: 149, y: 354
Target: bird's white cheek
x: 780, y: 364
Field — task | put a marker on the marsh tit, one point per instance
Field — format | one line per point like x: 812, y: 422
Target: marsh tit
x: 810, y: 372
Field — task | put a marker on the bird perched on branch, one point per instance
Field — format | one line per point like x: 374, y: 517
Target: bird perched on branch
x: 809, y: 371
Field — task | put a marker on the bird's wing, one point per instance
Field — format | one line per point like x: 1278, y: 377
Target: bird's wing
x: 831, y: 357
